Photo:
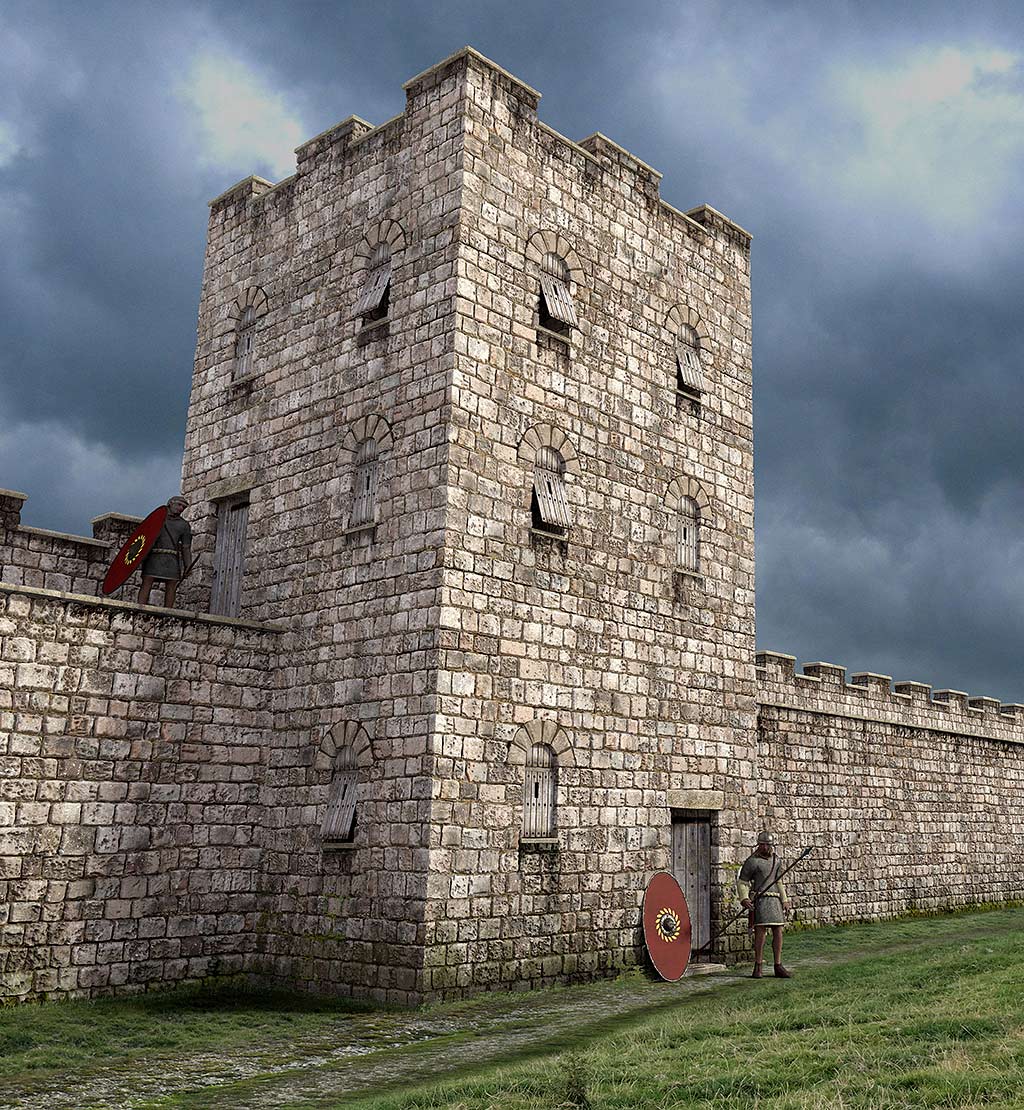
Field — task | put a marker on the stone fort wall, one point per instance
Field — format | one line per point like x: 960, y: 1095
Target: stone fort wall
x: 132, y: 747
x: 913, y: 798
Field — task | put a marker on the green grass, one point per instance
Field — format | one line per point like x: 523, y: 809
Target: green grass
x: 923, y: 1012
x: 70, y: 1037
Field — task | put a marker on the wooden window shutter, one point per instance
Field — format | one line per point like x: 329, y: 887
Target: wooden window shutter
x: 373, y: 299
x: 689, y: 373
x: 549, y: 489
x: 244, y: 342
x: 364, y: 484
x: 558, y: 301
x: 540, y: 793
x: 341, y: 805
x: 688, y: 537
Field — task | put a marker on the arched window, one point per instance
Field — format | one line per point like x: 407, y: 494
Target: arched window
x: 540, y: 793
x: 550, y: 507
x: 689, y: 374
x: 555, y: 310
x: 374, y: 301
x: 364, y: 483
x: 340, y: 818
x: 245, y: 341
x: 688, y: 535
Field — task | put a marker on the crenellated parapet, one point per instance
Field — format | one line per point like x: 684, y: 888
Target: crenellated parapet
x: 824, y: 688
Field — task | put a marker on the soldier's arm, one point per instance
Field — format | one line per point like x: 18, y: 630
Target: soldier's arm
x: 780, y: 887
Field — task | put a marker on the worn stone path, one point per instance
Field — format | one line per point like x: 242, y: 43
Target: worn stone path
x: 354, y: 1054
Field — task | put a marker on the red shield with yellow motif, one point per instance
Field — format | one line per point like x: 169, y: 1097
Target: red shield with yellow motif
x: 134, y: 551
x: 666, y: 926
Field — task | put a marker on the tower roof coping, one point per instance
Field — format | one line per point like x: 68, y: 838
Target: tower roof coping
x: 13, y: 493
x: 688, y: 220
x: 374, y: 130
x: 251, y: 180
x: 469, y: 52
x: 622, y: 150
x: 725, y: 219
x: 569, y: 142
x: 348, y: 121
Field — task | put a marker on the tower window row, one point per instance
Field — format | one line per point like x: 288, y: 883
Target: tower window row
x: 539, y: 744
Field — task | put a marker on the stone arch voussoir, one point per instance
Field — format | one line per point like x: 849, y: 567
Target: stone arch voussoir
x: 547, y: 435
x: 374, y: 426
x: 680, y: 314
x: 543, y: 242
x: 685, y: 486
x: 541, y: 730
x: 344, y: 734
x: 387, y: 231
x: 252, y: 297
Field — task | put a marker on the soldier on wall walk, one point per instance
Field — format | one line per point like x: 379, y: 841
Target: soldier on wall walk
x: 761, y: 891
x: 169, y: 556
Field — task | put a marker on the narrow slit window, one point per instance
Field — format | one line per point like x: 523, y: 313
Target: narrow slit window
x: 688, y: 536
x: 550, y: 506
x: 555, y: 310
x: 340, y: 818
x: 245, y: 341
x: 540, y: 794
x: 365, y: 481
x: 689, y: 372
x: 374, y: 301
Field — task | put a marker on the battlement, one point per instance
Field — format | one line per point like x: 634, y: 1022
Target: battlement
x: 823, y: 688
x: 598, y: 152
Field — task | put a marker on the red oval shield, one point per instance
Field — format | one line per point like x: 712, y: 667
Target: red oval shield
x: 134, y: 551
x: 666, y: 926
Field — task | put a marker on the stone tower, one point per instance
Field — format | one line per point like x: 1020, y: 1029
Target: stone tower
x: 471, y: 421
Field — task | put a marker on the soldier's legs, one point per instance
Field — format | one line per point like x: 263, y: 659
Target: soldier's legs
x: 170, y: 592
x: 759, y: 933
x: 777, y: 943
x: 146, y: 588
x: 780, y: 971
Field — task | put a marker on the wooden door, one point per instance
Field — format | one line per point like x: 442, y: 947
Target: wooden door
x: 691, y: 866
x: 229, y: 557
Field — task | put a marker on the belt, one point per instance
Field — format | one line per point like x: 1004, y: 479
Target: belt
x: 164, y: 551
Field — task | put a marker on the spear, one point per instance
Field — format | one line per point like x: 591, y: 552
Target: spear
x: 760, y: 894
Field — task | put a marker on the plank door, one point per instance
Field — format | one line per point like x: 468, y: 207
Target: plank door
x: 229, y: 557
x: 691, y: 866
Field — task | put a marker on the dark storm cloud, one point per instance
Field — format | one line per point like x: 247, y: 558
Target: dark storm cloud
x: 878, y: 161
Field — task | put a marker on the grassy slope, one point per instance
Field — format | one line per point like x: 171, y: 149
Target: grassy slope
x: 923, y: 1012
x: 926, y: 1012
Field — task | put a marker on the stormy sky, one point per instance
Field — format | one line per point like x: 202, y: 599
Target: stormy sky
x: 876, y: 151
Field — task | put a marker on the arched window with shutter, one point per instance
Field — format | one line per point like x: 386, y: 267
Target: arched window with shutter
x: 340, y: 818
x: 550, y: 506
x: 689, y: 372
x: 540, y: 793
x: 364, y: 483
x: 555, y: 310
x: 688, y: 535
x: 245, y: 342
x: 374, y: 301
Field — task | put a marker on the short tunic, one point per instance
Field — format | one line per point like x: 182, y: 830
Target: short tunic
x: 162, y: 560
x: 754, y: 876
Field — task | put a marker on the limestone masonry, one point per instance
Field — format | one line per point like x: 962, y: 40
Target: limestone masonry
x: 468, y: 655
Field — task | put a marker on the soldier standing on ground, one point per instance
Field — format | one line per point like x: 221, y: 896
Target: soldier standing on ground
x: 758, y: 891
x: 169, y: 556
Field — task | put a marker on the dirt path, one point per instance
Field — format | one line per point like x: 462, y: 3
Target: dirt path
x: 353, y: 1054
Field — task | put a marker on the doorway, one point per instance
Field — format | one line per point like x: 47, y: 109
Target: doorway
x: 691, y: 866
